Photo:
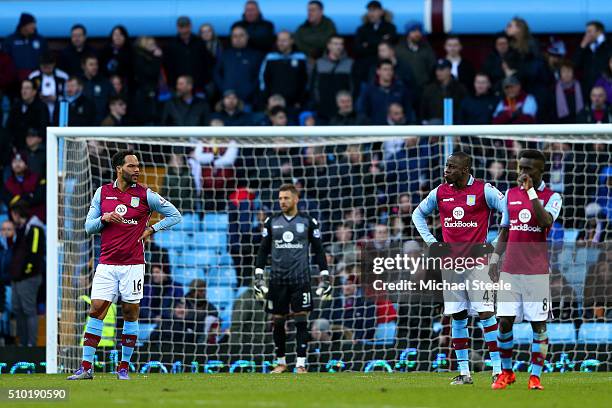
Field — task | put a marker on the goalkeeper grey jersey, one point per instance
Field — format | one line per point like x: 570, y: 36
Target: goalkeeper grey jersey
x: 288, y: 241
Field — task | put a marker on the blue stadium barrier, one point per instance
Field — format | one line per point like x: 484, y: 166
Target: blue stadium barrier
x: 215, y: 222
x: 170, y: 239
x: 184, y: 276
x: 595, y: 333
x: 561, y: 333
x: 222, y: 297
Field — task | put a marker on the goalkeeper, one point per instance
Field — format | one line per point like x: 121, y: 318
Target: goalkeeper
x: 287, y: 236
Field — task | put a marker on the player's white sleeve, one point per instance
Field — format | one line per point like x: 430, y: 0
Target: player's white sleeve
x: 93, y: 223
x: 554, y: 205
x: 426, y: 207
x: 171, y: 215
x: 505, y: 221
x: 494, y: 198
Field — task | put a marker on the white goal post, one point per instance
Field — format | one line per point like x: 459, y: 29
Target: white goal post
x: 56, y: 161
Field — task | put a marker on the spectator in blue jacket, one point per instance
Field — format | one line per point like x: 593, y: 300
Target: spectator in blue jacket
x: 376, y: 97
x: 477, y: 108
x: 160, y: 294
x: 604, y: 192
x: 238, y: 67
x: 96, y: 87
x: 25, y: 46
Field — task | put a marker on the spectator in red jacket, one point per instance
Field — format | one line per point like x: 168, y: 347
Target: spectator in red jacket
x: 26, y: 186
x: 517, y: 106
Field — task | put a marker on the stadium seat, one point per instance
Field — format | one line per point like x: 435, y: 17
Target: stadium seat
x: 523, y: 334
x: 223, y: 298
x: 184, y: 276
x: 595, y: 333
x: 194, y: 259
x: 385, y: 334
x: 222, y: 276
x: 190, y: 223
x: 210, y: 240
x: 170, y: 239
x: 561, y: 333
x: 144, y: 332
x: 215, y: 222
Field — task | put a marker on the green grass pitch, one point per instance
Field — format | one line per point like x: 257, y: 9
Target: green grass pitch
x: 344, y: 390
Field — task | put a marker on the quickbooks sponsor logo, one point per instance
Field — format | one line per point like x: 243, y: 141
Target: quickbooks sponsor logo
x: 278, y: 244
x: 460, y: 224
x: 525, y: 228
x: 131, y: 222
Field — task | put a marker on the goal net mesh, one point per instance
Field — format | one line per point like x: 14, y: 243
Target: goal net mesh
x: 199, y: 312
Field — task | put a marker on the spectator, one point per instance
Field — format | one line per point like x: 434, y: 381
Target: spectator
x: 230, y: 110
x: 284, y: 72
x: 386, y: 51
x: 346, y: 115
x: 312, y: 35
x: 181, y: 328
x: 517, y: 106
x: 331, y: 74
x: 249, y: 321
x: 26, y: 268
x: 118, y: 87
x: 71, y: 58
x: 416, y: 54
x: 24, y: 185
x: 159, y: 295
x: 605, y: 80
x: 206, y: 314
x: 35, y: 153
x: 395, y: 117
x: 343, y: 245
x: 596, y: 228
x: 568, y: 95
x: 445, y: 86
x: 117, y: 110
x: 185, y: 109
x: 376, y: 97
x: 218, y: 173
x: 403, y: 211
x: 179, y: 186
x: 81, y: 110
x: 96, y: 87
x: 462, y: 70
x: 238, y: 67
x: 555, y: 53
x: 116, y: 57
x: 27, y: 112
x: 496, y: 175
x: 7, y: 244
x: 261, y: 32
x: 25, y: 46
x: 278, y: 116
x: 8, y: 75
x: 307, y: 118
x: 593, y: 55
x: 376, y: 27
x: 186, y: 55
x: 598, y: 288
x: 493, y: 63
x: 211, y: 42
x: 604, y: 191
x: 147, y: 66
x: 598, y: 111
x: 477, y: 108
x: 49, y: 81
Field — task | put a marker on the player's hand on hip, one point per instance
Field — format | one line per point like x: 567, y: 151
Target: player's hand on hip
x: 259, y: 286
x: 146, y: 234
x: 112, y: 217
x: 325, y: 288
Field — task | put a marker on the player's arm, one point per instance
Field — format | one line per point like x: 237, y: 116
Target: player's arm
x: 157, y: 203
x: 259, y: 286
x: 425, y: 208
x: 495, y: 199
x: 95, y: 219
x: 502, y: 239
x: 314, y: 237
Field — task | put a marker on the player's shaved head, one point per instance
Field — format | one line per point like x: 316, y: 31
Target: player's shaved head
x: 465, y: 158
x: 457, y: 170
x: 534, y: 155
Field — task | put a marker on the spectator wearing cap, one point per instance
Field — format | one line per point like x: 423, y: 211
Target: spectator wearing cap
x: 147, y: 67
x: 25, y: 185
x: 493, y: 66
x: 555, y: 53
x: 377, y: 26
x: 332, y: 73
x: 517, y: 107
x: 461, y: 69
x: 26, y: 269
x: 568, y: 94
x: 261, y: 31
x: 35, y: 153
x: 117, y: 108
x: 185, y: 109
x: 25, y: 46
x: 27, y: 112
x: 116, y: 57
x: 72, y: 56
x: 186, y: 55
x: 49, y: 81
x: 598, y: 111
x: 605, y: 80
x: 345, y: 112
x: 415, y: 53
x: 81, y: 110
x: 230, y: 109
x: 593, y: 54
x: 311, y: 37
x: 96, y: 87
x: 445, y: 86
x: 376, y: 97
x: 238, y: 67
x: 477, y: 108
x: 284, y: 72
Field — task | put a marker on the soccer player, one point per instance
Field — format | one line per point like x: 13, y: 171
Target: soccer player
x: 287, y: 236
x: 120, y: 212
x: 530, y: 210
x: 465, y: 205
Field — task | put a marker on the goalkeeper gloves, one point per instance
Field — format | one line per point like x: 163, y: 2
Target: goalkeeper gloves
x: 325, y: 288
x: 259, y: 286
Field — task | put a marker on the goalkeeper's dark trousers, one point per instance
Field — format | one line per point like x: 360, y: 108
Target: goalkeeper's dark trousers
x: 280, y: 336
x: 301, y: 335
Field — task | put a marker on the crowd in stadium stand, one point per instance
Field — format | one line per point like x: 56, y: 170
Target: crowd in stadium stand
x: 260, y: 76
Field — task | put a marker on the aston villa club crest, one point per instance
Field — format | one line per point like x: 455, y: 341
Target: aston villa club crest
x: 471, y: 199
x: 135, y: 202
x: 299, y: 227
